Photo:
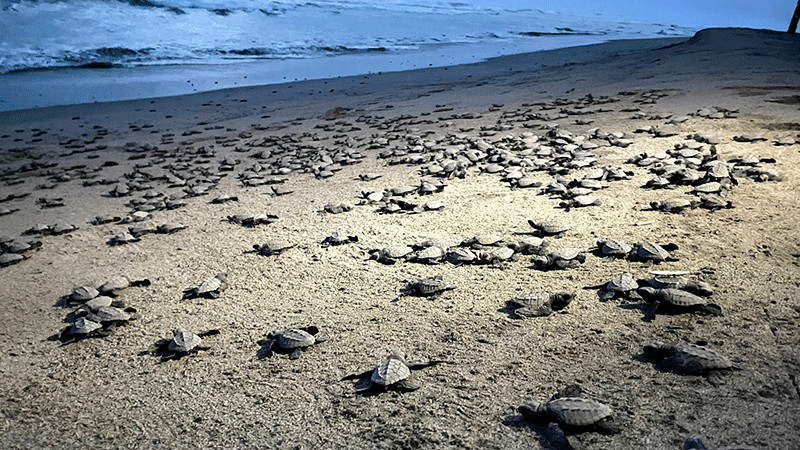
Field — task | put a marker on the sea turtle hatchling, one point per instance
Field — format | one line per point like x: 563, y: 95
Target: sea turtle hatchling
x: 566, y: 258
x: 687, y: 358
x: 8, y: 259
x: 572, y: 413
x: 650, y: 252
x: 674, y: 205
x: 209, y: 288
x: 183, y: 343
x: 540, y: 304
x: 613, y: 248
x: 427, y: 287
x: 337, y: 238
x: 273, y: 247
x: 97, y: 320
x: 391, y: 254
x: 622, y: 285
x: 122, y: 238
x: 676, y: 301
x: 392, y: 373
x: 550, y: 228
x: 430, y: 255
x: 295, y: 341
x: 120, y: 282
x: 673, y: 281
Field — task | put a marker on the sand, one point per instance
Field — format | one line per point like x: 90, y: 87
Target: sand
x: 114, y: 392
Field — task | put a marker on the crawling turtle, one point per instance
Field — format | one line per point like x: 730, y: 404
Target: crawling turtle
x: 427, y: 287
x: 120, y: 282
x: 273, y: 247
x: 622, y: 285
x: 82, y: 294
x: 97, y: 318
x: 391, y: 254
x: 687, y: 358
x: 20, y: 246
x: 566, y: 258
x: 540, y: 304
x: 674, y: 205
x: 8, y: 259
x: 495, y: 255
x: 674, y: 281
x: 580, y: 201
x: 105, y: 218
x: 612, y: 248
x: 252, y: 220
x: 482, y: 241
x: 337, y: 238
x: 676, y: 301
x: 392, y: 373
x: 294, y: 341
x: 651, y: 253
x: 183, y: 343
x: 530, y: 245
x: 550, y: 228
x: 430, y: 255
x: 209, y: 288
x: 461, y: 255
x: 572, y: 413
x: 122, y: 238
x: 170, y: 228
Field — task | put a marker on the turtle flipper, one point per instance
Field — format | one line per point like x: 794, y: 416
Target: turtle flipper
x: 715, y: 377
x: 296, y: 353
x: 408, y: 385
x: 556, y: 437
x: 364, y: 385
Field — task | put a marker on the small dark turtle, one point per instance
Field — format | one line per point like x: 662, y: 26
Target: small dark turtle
x: 120, y: 282
x: 62, y: 228
x: 621, y: 285
x: 460, y: 255
x: 427, y: 287
x: 676, y: 301
x: 223, y: 198
x: 123, y: 238
x: 714, y: 202
x: 337, y: 208
x: 495, y: 255
x: 566, y: 258
x: 540, y: 304
x: 337, y: 238
x: 391, y: 254
x: 98, y: 320
x: 392, y: 373
x: 530, y: 245
x: 686, y: 358
x: 138, y: 231
x: 550, y: 228
x: 482, y: 241
x: 8, y: 259
x: 664, y: 281
x: 650, y: 252
x: 20, y: 246
x: 82, y: 294
x: 612, y: 248
x: 105, y: 218
x: 183, y: 343
x: 572, y: 413
x: 295, y: 341
x: 273, y: 247
x: 580, y: 201
x: 170, y: 227
x: 674, y: 205
x: 209, y: 288
x: 430, y: 255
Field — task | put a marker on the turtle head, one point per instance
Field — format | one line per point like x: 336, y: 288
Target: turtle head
x: 561, y: 300
x: 534, y: 411
x: 274, y: 334
x: 646, y: 291
x: 657, y: 350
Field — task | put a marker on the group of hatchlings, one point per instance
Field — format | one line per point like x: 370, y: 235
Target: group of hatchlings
x: 569, y: 410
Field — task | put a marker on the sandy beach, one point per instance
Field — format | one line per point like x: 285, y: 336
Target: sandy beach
x: 478, y: 150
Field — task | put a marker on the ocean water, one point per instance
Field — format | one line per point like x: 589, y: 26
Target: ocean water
x: 39, y: 34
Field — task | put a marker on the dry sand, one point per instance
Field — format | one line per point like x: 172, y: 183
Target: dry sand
x: 112, y: 392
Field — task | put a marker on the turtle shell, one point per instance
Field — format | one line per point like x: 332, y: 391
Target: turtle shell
x: 211, y: 285
x: 680, y: 282
x: 430, y: 254
x: 83, y: 293
x: 391, y: 370
x: 567, y: 253
x: 183, y: 341
x: 291, y: 339
x: 679, y: 297
x: 115, y: 283
x: 431, y: 286
x: 649, y: 250
x: 613, y: 247
x: 578, y: 411
x: 84, y: 326
x: 106, y: 314
x: 623, y: 282
x: 395, y: 252
x: 98, y: 302
x: 7, y: 259
x: 694, y: 358
x: 274, y: 246
x: 550, y: 227
x: 461, y: 256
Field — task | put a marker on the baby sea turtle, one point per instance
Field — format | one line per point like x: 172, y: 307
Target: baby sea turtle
x: 673, y: 281
x: 122, y: 238
x: 120, y: 282
x: 96, y: 319
x: 8, y: 259
x: 482, y: 241
x: 294, y: 341
x: 566, y: 258
x: 337, y: 208
x: 650, y: 252
x: 82, y: 294
x: 550, y: 228
x: 674, y: 205
x: 572, y: 413
x: 621, y: 285
x: 430, y: 255
x: 495, y: 255
x: 170, y: 228
x: 392, y: 373
x: 337, y: 238
x: 391, y: 254
x: 612, y: 248
x: 427, y: 287
x: 273, y: 247
x: 105, y: 218
x: 676, y: 301
x: 461, y: 255
x: 183, y: 343
x: 530, y: 245
x: 580, y: 201
x: 540, y: 304
x: 209, y: 288
x: 687, y: 358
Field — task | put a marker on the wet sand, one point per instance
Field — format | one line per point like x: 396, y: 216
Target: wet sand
x: 559, y: 115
